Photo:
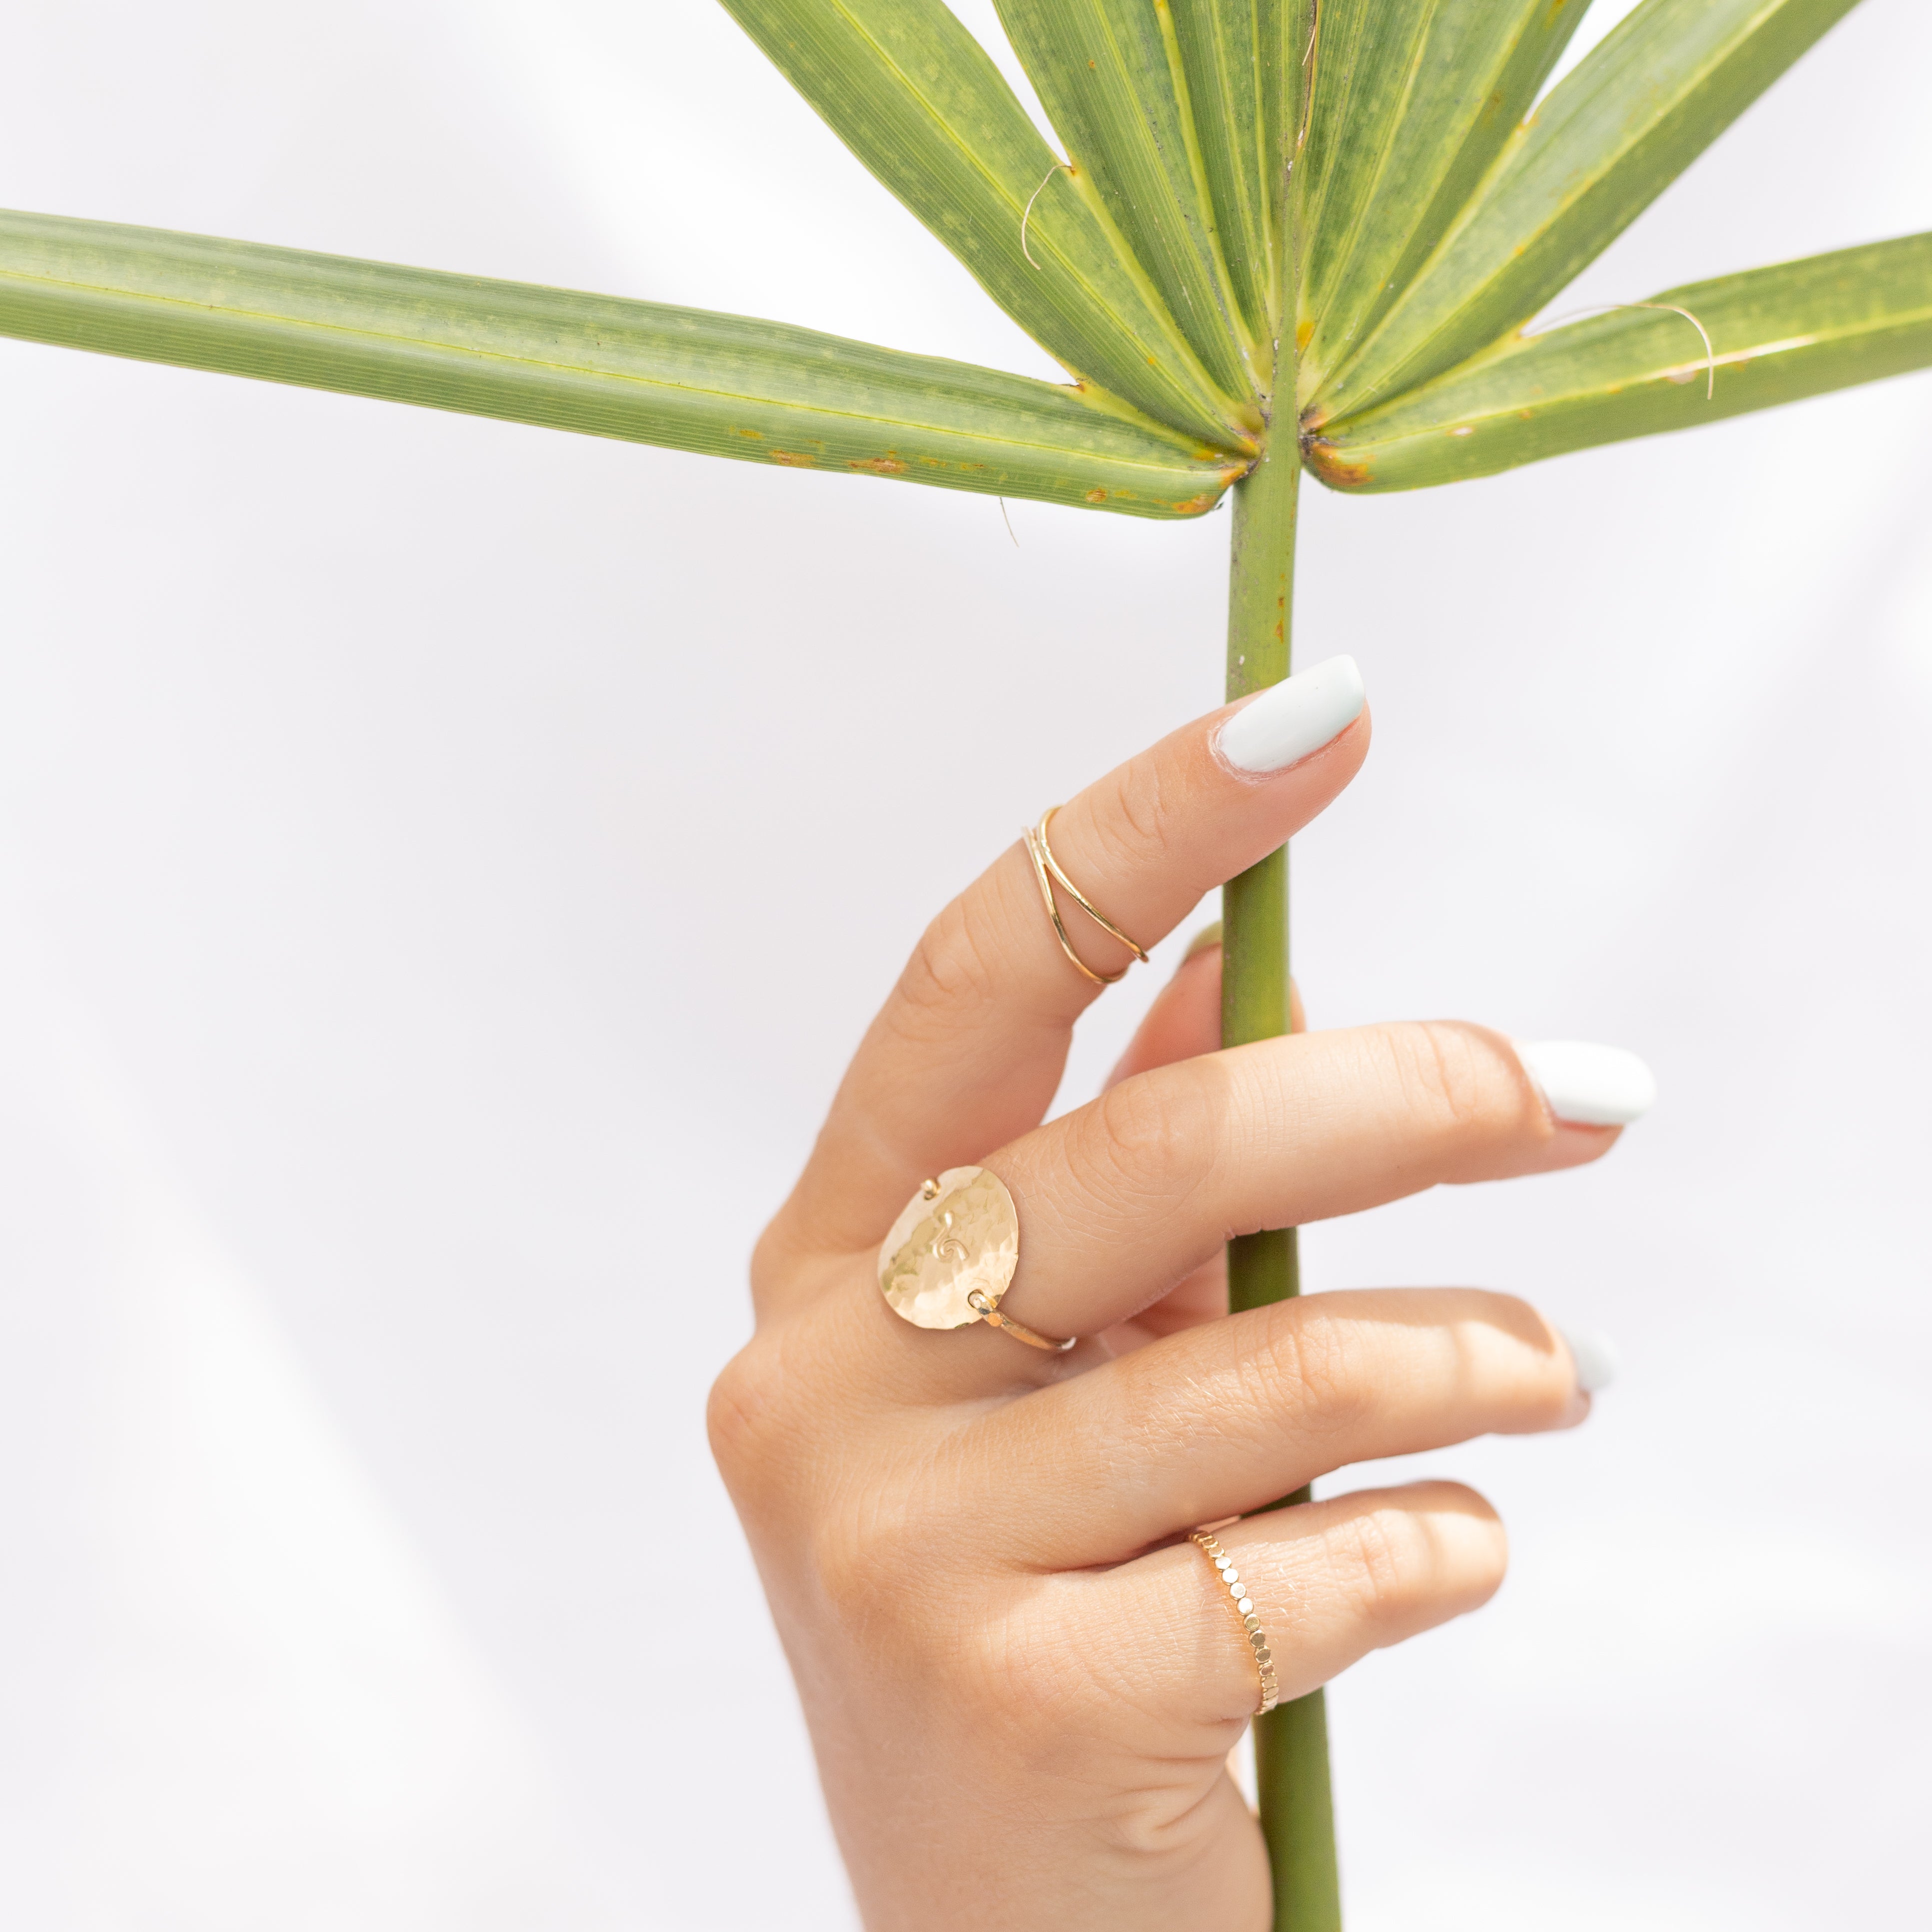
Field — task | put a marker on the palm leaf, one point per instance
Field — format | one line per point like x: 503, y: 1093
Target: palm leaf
x: 1608, y: 139
x: 917, y: 99
x: 1234, y: 56
x: 1108, y: 72
x: 1776, y: 334
x: 1410, y: 95
x: 717, y: 384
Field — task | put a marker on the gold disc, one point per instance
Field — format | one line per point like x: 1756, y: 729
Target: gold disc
x: 959, y: 1236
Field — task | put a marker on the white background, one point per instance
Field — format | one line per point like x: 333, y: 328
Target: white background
x: 443, y: 866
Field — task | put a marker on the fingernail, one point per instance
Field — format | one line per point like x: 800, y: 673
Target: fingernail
x: 1589, y: 1086
x: 1291, y: 719
x: 1595, y: 1356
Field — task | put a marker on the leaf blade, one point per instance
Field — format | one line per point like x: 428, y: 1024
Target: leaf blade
x: 682, y: 379
x: 1618, y: 129
x: 1110, y: 79
x: 920, y: 103
x: 1777, y: 335
x: 1411, y: 91
x: 1232, y: 57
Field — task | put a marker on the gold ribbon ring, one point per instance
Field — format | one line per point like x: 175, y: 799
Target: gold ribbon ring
x: 1046, y: 869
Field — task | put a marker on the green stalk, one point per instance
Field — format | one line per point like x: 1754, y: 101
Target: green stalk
x: 1292, y: 1744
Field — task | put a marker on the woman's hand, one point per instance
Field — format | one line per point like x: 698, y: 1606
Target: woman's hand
x: 1022, y: 1685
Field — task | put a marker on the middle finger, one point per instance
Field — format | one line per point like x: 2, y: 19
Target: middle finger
x: 1121, y: 1199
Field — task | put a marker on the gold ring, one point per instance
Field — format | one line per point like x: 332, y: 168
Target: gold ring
x: 1046, y: 868
x: 1244, y: 1608
x: 951, y: 1255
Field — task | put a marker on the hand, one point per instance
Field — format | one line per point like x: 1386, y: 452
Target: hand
x: 1022, y: 1685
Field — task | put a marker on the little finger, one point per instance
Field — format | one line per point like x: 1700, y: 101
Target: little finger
x: 1326, y: 1582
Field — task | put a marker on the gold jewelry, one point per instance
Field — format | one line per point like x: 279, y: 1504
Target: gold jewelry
x: 1044, y: 864
x: 1244, y: 1605
x: 952, y: 1254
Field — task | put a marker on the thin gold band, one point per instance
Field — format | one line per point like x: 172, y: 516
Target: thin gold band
x: 1046, y: 868
x: 988, y: 1310
x: 1244, y: 1607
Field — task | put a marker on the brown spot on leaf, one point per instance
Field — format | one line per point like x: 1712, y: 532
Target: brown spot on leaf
x: 1096, y: 495
x: 879, y: 466
x: 793, y: 459
x: 1337, y: 471
x: 754, y: 435
x: 1193, y: 506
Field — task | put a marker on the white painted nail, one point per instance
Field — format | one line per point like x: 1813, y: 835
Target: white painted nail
x: 1596, y: 1357
x: 1290, y: 720
x: 1589, y: 1086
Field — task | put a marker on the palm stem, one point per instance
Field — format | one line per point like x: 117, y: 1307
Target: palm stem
x: 1292, y: 1744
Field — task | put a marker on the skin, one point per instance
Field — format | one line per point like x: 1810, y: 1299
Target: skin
x: 1022, y: 1684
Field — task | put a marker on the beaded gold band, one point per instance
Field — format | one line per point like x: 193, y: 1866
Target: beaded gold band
x: 1244, y: 1605
x: 1046, y: 868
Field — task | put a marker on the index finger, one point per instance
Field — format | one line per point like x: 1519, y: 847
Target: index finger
x: 968, y: 1050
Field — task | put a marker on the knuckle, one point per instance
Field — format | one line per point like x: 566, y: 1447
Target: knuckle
x: 954, y: 970
x: 1017, y: 1655
x: 849, y: 1555
x: 760, y: 1418
x: 1448, y: 1072
x: 1134, y: 824
x: 775, y: 1257
x: 741, y: 1415
x: 1386, y: 1563
x: 1321, y: 1361
x: 1150, y: 1131
x: 1406, y: 1568
x: 860, y: 1554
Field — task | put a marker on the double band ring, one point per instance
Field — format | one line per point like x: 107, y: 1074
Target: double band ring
x: 952, y: 1253
x: 1244, y: 1608
x: 1046, y: 869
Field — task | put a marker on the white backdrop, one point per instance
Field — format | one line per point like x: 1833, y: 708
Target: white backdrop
x: 443, y: 866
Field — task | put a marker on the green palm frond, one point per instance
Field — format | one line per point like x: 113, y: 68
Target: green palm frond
x: 1414, y: 100
x: 1610, y: 138
x: 1432, y: 218
x: 1775, y: 335
x: 722, y: 384
x: 1234, y: 60
x: 918, y: 100
x: 1109, y: 73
